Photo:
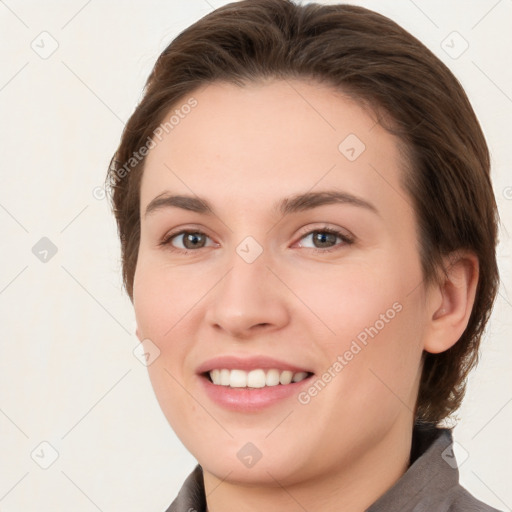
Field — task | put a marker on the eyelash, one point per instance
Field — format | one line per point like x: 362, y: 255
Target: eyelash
x: 166, y: 242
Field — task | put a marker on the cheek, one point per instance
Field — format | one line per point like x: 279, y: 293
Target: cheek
x: 349, y: 298
x: 376, y: 326
x: 384, y: 360
x: 163, y: 309
x: 160, y: 307
x: 159, y: 301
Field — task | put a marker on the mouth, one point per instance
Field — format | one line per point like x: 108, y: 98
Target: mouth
x: 256, y: 379
x: 250, y: 384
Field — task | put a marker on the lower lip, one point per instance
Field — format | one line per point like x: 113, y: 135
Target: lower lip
x: 251, y: 399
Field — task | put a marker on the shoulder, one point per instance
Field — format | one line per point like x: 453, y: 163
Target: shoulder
x: 461, y: 500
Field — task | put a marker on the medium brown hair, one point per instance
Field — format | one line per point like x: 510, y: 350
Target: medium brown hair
x: 369, y: 57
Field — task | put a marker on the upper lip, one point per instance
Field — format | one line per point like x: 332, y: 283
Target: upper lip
x: 247, y: 364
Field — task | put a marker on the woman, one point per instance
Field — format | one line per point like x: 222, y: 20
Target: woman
x: 308, y: 235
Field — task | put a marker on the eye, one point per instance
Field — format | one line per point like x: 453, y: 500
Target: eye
x: 190, y: 240
x: 326, y: 238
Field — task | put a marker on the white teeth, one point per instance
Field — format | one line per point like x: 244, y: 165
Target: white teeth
x: 238, y: 379
x: 272, y: 378
x: 224, y: 378
x: 255, y: 378
x: 299, y: 376
x: 286, y: 377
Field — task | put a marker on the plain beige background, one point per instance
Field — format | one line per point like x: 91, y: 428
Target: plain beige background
x: 80, y: 426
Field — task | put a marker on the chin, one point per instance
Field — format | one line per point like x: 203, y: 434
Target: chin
x: 269, y: 473
x: 253, y: 463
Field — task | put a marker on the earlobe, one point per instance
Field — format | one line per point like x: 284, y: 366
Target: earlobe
x: 453, y: 301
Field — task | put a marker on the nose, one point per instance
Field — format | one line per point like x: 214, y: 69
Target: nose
x: 249, y: 300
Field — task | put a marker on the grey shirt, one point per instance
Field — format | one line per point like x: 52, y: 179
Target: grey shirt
x: 431, y: 483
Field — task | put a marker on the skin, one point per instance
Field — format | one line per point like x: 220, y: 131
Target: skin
x: 243, y: 149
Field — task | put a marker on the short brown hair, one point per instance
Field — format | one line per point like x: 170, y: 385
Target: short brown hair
x: 369, y: 57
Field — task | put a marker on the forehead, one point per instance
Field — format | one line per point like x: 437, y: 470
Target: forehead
x: 270, y: 139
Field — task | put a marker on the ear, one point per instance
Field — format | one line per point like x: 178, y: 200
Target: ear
x: 450, y: 301
x: 137, y: 333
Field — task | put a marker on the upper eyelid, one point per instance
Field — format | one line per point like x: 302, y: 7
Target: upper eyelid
x: 341, y: 231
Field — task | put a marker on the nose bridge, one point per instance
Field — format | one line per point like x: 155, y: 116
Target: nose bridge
x: 249, y: 295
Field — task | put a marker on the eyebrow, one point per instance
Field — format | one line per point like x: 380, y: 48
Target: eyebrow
x: 285, y: 206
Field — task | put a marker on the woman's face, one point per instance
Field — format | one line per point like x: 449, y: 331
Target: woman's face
x: 261, y: 292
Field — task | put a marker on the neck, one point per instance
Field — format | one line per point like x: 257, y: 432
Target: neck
x: 349, y: 487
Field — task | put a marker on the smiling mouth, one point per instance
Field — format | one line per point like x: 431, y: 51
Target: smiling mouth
x: 258, y: 378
